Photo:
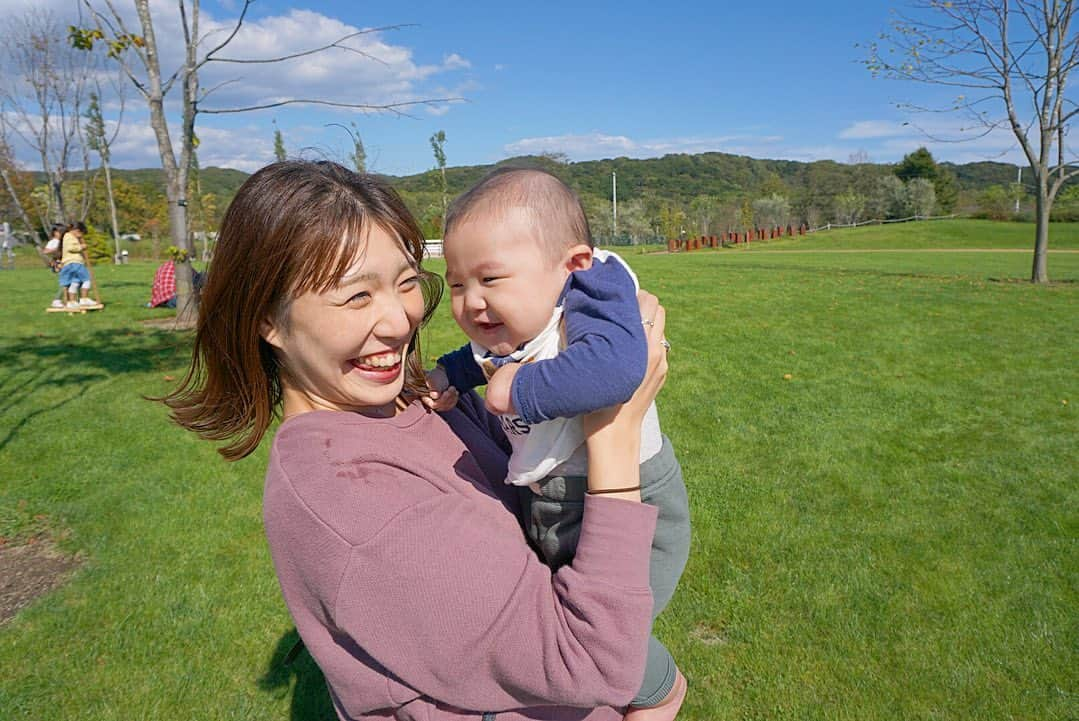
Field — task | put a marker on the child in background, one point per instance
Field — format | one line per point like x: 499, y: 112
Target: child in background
x: 52, y: 255
x: 73, y: 273
x: 555, y: 333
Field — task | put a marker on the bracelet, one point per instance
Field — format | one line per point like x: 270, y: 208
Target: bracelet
x: 614, y: 490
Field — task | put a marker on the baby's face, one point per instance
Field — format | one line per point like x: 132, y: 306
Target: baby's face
x: 503, y: 287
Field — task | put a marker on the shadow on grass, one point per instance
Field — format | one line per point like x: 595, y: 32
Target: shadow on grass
x: 310, y: 698
x: 33, y: 365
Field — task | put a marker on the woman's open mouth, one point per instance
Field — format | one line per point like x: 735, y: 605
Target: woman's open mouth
x: 379, y: 366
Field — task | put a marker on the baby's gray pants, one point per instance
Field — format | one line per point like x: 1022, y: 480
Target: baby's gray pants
x: 554, y: 525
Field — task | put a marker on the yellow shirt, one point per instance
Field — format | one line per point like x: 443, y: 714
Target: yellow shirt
x: 72, y: 250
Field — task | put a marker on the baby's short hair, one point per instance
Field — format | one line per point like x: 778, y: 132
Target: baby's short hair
x: 558, y: 216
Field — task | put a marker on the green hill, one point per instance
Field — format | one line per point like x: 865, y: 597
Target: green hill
x: 702, y: 193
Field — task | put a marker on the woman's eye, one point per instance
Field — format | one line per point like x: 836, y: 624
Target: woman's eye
x: 360, y: 297
x: 411, y: 281
x: 490, y: 279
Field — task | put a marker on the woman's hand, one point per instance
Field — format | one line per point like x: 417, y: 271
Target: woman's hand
x: 613, y: 434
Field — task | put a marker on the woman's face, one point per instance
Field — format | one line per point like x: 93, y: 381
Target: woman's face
x: 343, y: 349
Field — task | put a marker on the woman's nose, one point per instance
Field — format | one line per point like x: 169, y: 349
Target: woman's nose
x: 394, y: 321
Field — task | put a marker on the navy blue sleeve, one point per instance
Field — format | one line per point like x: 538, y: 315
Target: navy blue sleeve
x: 606, y: 351
x: 462, y: 370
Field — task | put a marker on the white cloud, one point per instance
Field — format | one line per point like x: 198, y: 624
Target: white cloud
x: 865, y: 129
x: 454, y: 61
x: 364, y: 69
x: 948, y: 137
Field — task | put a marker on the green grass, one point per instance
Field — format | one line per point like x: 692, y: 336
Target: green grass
x: 890, y: 533
x: 934, y: 234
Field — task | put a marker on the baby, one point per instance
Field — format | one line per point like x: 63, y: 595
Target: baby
x: 556, y: 333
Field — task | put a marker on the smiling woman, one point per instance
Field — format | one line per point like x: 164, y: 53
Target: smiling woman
x: 398, y: 549
x: 342, y: 349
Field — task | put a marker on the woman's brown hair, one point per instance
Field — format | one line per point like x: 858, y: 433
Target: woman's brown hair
x: 293, y: 227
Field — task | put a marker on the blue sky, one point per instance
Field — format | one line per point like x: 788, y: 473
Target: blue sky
x: 640, y: 79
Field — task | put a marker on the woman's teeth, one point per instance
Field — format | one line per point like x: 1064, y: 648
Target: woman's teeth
x: 386, y: 360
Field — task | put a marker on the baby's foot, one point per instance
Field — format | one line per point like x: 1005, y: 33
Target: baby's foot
x: 666, y: 709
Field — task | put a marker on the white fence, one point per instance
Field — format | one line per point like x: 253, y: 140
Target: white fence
x: 879, y: 221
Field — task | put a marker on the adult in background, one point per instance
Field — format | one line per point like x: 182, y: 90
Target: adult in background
x: 398, y: 549
x: 163, y: 290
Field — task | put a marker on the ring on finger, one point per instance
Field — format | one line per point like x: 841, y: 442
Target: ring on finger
x: 648, y: 323
x: 665, y: 343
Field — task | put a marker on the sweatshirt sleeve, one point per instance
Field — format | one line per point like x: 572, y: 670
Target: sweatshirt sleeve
x: 449, y: 598
x: 606, y: 351
x: 462, y: 370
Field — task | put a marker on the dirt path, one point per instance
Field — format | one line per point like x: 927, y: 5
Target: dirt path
x: 28, y: 571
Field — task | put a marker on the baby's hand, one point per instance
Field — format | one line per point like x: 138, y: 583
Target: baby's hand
x: 499, y: 395
x: 442, y: 396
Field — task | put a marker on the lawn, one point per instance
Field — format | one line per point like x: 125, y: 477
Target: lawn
x: 880, y: 451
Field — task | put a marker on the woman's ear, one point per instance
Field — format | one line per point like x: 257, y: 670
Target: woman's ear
x: 270, y: 333
x: 579, y: 257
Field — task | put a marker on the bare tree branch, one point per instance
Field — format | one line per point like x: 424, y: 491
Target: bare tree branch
x: 387, y: 107
x: 335, y: 44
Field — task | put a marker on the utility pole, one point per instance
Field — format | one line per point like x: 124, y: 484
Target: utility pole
x: 614, y: 197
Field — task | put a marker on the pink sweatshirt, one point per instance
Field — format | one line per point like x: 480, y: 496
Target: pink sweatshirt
x: 402, y: 562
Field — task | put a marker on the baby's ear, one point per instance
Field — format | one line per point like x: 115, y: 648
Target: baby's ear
x: 579, y: 257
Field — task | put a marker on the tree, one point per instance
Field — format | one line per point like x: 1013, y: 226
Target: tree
x: 438, y: 141
x: 921, y: 198
x: 859, y: 157
x: 773, y: 211
x: 745, y: 216
x: 996, y: 203
x: 919, y: 164
x: 16, y: 183
x: 358, y: 156
x: 111, y: 29
x: 946, y: 189
x: 278, y: 144
x: 1013, y: 56
x: 703, y: 210
x: 848, y: 207
x: 45, y: 86
x: 889, y: 198
x: 98, y: 140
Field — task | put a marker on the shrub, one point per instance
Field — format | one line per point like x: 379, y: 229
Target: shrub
x: 98, y: 245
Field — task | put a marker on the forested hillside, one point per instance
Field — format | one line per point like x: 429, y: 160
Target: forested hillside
x: 658, y: 197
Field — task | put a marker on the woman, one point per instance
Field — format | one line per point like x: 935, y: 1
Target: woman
x: 398, y: 550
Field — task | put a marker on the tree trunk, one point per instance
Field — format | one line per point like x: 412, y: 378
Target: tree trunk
x: 186, y: 305
x: 56, y: 185
x: 1040, y: 273
x: 18, y: 205
x: 112, y: 210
